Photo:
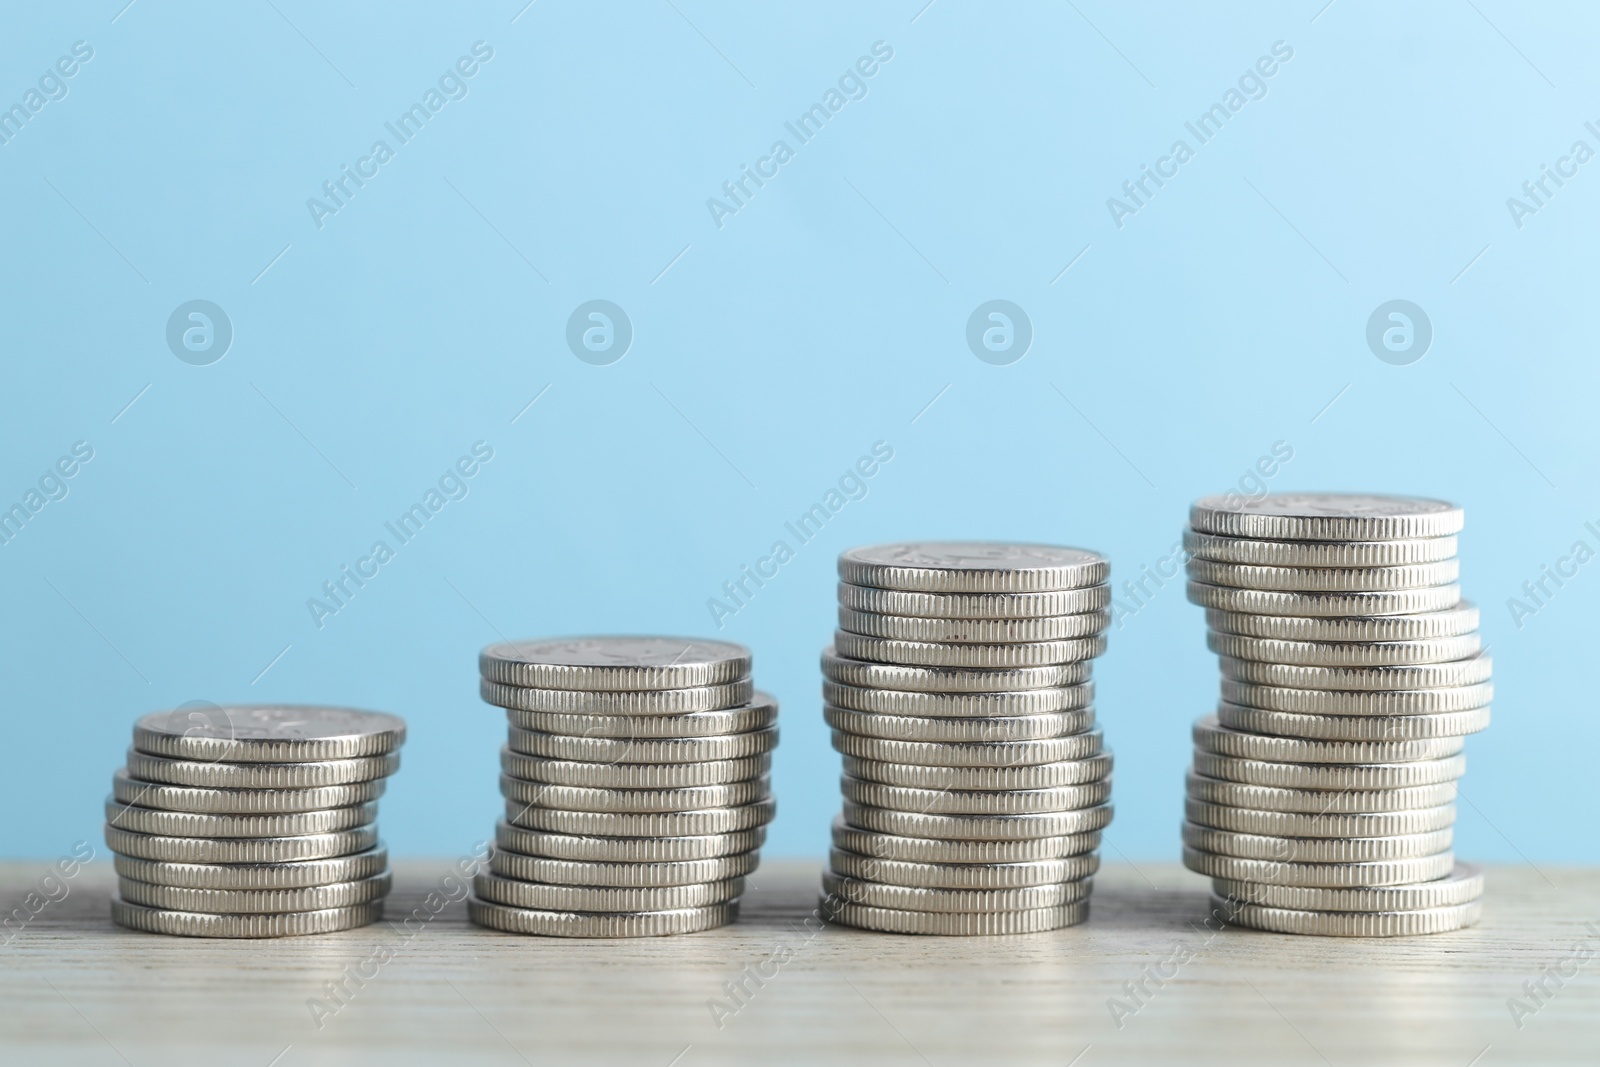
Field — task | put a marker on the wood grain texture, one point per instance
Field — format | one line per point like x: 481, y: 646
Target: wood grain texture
x: 77, y: 990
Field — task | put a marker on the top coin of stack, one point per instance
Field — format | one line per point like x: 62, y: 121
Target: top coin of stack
x: 1322, y: 797
x: 975, y: 784
x: 636, y: 785
x: 252, y: 821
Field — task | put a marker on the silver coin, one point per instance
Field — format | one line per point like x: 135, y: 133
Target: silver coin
x: 955, y: 924
x: 1256, y: 552
x: 976, y: 827
x: 961, y: 705
x: 1037, y: 776
x: 974, y: 631
x: 634, y: 875
x: 1325, y: 824
x: 1326, y: 875
x: 655, y: 824
x: 1450, y: 622
x: 282, y: 924
x: 951, y: 802
x: 949, y: 654
x: 1333, y: 702
x: 1318, y: 801
x: 973, y: 567
x: 1324, y: 579
x: 1463, y: 885
x: 641, y: 775
x: 1354, y: 727
x: 610, y: 662
x: 1317, y: 849
x: 623, y: 702
x: 241, y: 849
x: 758, y: 715
x: 586, y: 798
x: 126, y: 790
x: 1211, y: 736
x: 973, y: 754
x: 298, y: 875
x: 1325, y: 517
x: 599, y: 924
x: 1355, y: 924
x: 963, y: 875
x: 974, y: 605
x: 990, y: 728
x: 592, y: 849
x: 952, y: 901
x: 1322, y: 605
x: 1345, y: 653
x: 275, y: 733
x: 1458, y: 672
x: 260, y: 775
x: 655, y: 750
x: 882, y: 846
x: 1330, y: 775
x: 961, y: 680
x: 494, y: 889
x: 255, y: 901
x: 141, y: 820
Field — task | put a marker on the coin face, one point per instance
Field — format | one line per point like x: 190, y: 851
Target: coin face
x: 615, y: 662
x: 972, y: 566
x: 268, y: 732
x: 1325, y: 516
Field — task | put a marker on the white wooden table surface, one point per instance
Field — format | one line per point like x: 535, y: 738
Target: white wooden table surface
x: 74, y: 989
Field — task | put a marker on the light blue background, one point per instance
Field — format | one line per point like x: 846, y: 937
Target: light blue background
x: 824, y: 316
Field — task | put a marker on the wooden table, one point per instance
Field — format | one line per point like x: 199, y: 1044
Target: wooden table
x: 76, y: 989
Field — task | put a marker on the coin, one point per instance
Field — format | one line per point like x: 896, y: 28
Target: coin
x: 126, y: 790
x: 1325, y: 517
x: 1462, y: 885
x: 1037, y: 776
x: 1473, y: 671
x: 964, y: 875
x: 952, y: 901
x: 974, y: 631
x: 1324, y: 579
x: 884, y: 846
x: 990, y: 802
x: 1330, y: 875
x: 656, y: 824
x: 949, y: 679
x: 962, y: 705
x: 972, y: 567
x: 267, y: 733
x: 1357, y: 924
x: 296, y: 875
x: 973, y: 754
x: 1354, y: 727
x: 283, y: 924
x: 977, y: 827
x: 599, y: 924
x: 990, y: 728
x: 260, y: 775
x: 1319, y: 802
x: 658, y: 750
x: 639, y: 775
x: 615, y: 663
x: 1449, y: 622
x: 1262, y: 553
x: 1324, y: 824
x: 974, y: 605
x: 141, y: 820
x: 1316, y: 849
x: 573, y: 872
x: 1321, y: 605
x: 1332, y: 702
x: 1330, y: 775
x: 1210, y: 736
x: 1345, y: 653
x: 594, y: 849
x: 692, y: 798
x: 761, y: 713
x: 255, y: 901
x: 241, y: 849
x: 491, y: 888
x: 950, y: 654
x: 890, y: 921
x: 619, y: 702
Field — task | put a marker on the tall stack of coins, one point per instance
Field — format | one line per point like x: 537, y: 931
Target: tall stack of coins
x: 636, y: 785
x: 975, y: 784
x: 1322, y: 797
x: 252, y: 821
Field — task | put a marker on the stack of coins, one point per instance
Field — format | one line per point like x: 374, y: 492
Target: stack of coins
x: 636, y: 785
x: 252, y: 821
x: 975, y: 785
x: 1322, y: 797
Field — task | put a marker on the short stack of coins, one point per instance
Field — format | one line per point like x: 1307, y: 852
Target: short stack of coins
x: 636, y: 784
x: 255, y: 821
x: 1322, y: 795
x: 975, y: 784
